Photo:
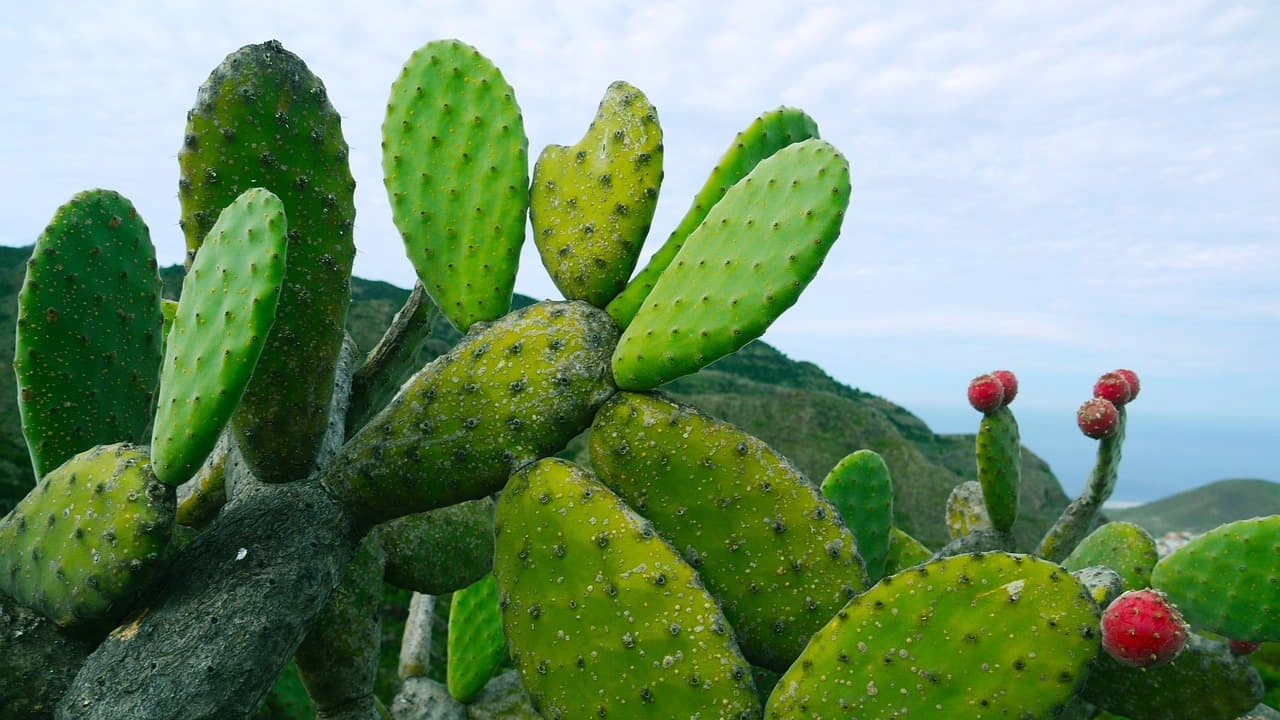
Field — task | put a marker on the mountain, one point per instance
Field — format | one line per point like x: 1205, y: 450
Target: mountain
x: 794, y: 406
x: 1205, y: 507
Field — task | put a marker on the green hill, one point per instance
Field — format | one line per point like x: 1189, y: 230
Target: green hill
x: 1205, y: 507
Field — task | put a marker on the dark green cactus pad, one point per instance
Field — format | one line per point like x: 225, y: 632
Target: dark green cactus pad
x: 590, y: 205
x: 1227, y: 581
x: 1122, y: 546
x: 89, y: 331
x: 89, y: 538
x: 476, y: 642
x: 904, y: 552
x: 769, y: 133
x: 971, y: 636
x: 966, y: 512
x: 262, y: 119
x: 604, y: 618
x: 455, y: 161
x: 999, y: 452
x: 746, y: 263
x: 768, y: 545
x: 509, y: 393
x: 229, y: 300
x: 1204, y: 682
x: 859, y: 487
x: 439, y: 551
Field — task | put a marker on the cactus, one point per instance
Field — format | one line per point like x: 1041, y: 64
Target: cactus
x: 861, y: 490
x: 1121, y: 546
x: 999, y: 451
x: 476, y: 642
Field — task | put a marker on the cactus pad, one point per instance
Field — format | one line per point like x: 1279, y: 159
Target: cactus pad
x: 89, y: 331
x: 90, y: 536
x: 439, y: 551
x: 591, y: 204
x: 859, y: 487
x: 904, y: 552
x: 966, y: 513
x: 455, y: 161
x: 1122, y: 546
x: 747, y: 262
x: 476, y: 642
x: 999, y: 452
x: 604, y: 619
x: 228, y: 304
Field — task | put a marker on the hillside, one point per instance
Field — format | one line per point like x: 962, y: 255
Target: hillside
x: 1205, y: 507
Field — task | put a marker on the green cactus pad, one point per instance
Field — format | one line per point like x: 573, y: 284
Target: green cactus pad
x: 603, y: 618
x: 509, y: 393
x: 859, y: 487
x: 966, y: 512
x: 455, y: 162
x: 769, y: 133
x: 1081, y: 516
x: 89, y: 538
x: 89, y: 331
x: 999, y: 452
x: 768, y: 545
x: 1226, y: 582
x: 971, y: 636
x: 476, y: 642
x: 1122, y: 546
x: 591, y: 204
x: 904, y: 552
x: 262, y: 119
x: 228, y: 304
x: 439, y: 551
x: 746, y: 263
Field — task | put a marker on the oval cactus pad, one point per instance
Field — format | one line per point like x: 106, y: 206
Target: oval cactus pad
x: 455, y: 160
x: 228, y: 305
x: 746, y: 263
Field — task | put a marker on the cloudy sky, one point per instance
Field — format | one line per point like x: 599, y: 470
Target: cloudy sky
x: 1060, y: 187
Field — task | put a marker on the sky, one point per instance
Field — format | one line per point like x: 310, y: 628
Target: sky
x: 1057, y: 187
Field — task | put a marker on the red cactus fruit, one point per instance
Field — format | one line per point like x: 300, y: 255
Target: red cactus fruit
x: 1009, y: 382
x: 1141, y: 628
x: 1114, y: 387
x: 1098, y: 418
x: 986, y: 393
x: 1243, y: 647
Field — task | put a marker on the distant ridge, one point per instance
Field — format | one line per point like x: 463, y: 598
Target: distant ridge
x: 1203, y: 508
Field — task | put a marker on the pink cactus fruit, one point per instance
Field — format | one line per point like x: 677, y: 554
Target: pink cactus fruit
x: 1115, y: 387
x: 1141, y: 628
x: 986, y: 393
x: 1098, y: 418
x: 1132, y: 378
x: 1009, y: 382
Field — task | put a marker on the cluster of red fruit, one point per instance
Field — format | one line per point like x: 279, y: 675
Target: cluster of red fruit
x: 1099, y: 416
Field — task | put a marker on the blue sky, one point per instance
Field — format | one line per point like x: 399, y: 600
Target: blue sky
x: 1058, y: 187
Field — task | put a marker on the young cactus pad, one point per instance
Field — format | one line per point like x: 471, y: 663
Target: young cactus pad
x: 859, y: 487
x: 262, y: 119
x: 228, y: 304
x: 591, y: 204
x: 89, y: 331
x: 1122, y: 546
x: 769, y: 133
x: 747, y: 262
x: 999, y: 452
x: 455, y: 160
x: 89, y: 537
x: 971, y: 636
x: 476, y: 642
x: 603, y: 618
x: 768, y: 545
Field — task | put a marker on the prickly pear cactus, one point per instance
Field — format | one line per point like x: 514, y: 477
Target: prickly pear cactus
x: 999, y: 452
x: 476, y: 642
x: 859, y: 487
x: 1121, y: 546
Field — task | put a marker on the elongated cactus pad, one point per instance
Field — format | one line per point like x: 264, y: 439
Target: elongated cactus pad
x: 92, y: 534
x: 476, y: 642
x: 768, y: 545
x: 999, y: 452
x: 89, y: 331
x: 971, y: 636
x: 746, y: 263
x: 439, y: 551
x: 262, y: 119
x: 1226, y: 582
x: 228, y: 304
x: 509, y: 393
x: 604, y: 619
x: 1122, y: 546
x: 591, y: 204
x: 769, y: 133
x: 455, y: 160
x: 859, y: 487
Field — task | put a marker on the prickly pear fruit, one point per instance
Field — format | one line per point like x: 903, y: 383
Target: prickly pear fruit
x: 859, y: 487
x: 510, y: 392
x: 224, y: 317
x: 966, y: 513
x: 476, y: 642
x: 1142, y: 628
x: 1098, y: 418
x: 1243, y: 647
x: 747, y: 262
x: 262, y: 119
x: 1130, y: 377
x: 769, y: 133
x: 89, y: 538
x: 1114, y: 388
x: 985, y: 635
x: 999, y: 451
x: 1009, y: 383
x: 455, y: 161
x: 89, y: 331
x: 591, y: 204
x: 1122, y: 546
x: 986, y: 393
x: 602, y: 616
x: 768, y: 545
